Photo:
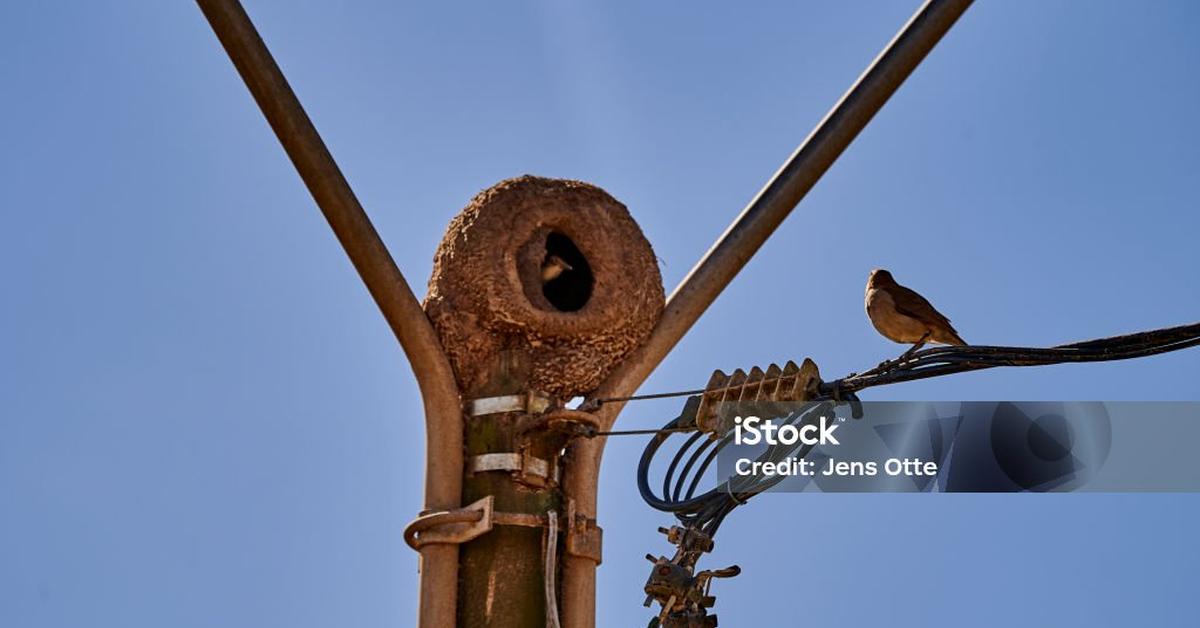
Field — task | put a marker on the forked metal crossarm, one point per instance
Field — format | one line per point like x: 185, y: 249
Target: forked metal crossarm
x: 432, y: 365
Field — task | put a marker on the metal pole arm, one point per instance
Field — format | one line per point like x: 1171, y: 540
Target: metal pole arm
x: 784, y: 191
x: 734, y: 248
x: 443, y: 414
x: 328, y: 186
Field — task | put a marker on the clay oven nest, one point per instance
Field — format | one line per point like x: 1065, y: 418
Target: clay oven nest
x: 500, y: 318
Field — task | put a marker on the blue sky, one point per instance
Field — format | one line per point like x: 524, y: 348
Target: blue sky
x: 205, y: 422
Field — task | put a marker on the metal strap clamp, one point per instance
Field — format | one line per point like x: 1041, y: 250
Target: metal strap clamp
x: 470, y: 522
x: 538, y: 470
x: 530, y: 402
x: 584, y: 537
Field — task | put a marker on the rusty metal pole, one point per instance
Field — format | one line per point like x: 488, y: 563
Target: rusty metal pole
x: 443, y: 418
x: 540, y: 288
x: 698, y: 290
x: 734, y: 248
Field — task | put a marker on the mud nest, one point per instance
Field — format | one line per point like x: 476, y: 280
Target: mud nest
x: 543, y: 282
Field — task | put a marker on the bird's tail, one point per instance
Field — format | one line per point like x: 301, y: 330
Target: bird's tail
x: 950, y: 337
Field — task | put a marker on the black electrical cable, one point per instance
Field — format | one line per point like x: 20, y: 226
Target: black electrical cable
x: 937, y: 361
x: 706, y: 511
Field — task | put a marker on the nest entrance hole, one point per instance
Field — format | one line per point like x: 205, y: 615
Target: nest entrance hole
x: 571, y: 289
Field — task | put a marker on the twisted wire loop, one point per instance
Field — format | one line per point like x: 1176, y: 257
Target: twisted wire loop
x: 693, y: 458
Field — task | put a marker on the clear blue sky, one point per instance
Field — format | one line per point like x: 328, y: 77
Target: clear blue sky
x: 204, y: 421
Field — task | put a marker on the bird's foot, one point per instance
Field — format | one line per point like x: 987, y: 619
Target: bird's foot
x: 913, y: 349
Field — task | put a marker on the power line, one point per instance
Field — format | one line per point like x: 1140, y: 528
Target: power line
x: 705, y: 512
x: 938, y: 361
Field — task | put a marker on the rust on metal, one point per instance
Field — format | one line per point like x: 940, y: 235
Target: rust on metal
x: 464, y: 524
x: 540, y: 288
x: 588, y: 321
x: 584, y: 537
x: 529, y: 402
x: 741, y: 389
x: 451, y: 526
x: 734, y: 249
x: 383, y: 279
x: 525, y: 468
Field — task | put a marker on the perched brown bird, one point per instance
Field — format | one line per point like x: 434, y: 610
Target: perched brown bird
x: 904, y: 316
x: 553, y: 266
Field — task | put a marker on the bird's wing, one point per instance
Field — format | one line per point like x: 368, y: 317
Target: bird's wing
x: 913, y: 305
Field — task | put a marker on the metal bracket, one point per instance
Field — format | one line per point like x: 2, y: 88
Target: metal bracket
x: 688, y: 539
x: 468, y: 523
x: 451, y: 526
x: 573, y: 423
x: 758, y: 387
x: 529, y: 469
x: 529, y: 402
x: 584, y: 537
x: 684, y: 593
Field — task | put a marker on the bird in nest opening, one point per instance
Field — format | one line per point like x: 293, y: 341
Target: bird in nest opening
x: 901, y: 315
x: 553, y: 266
